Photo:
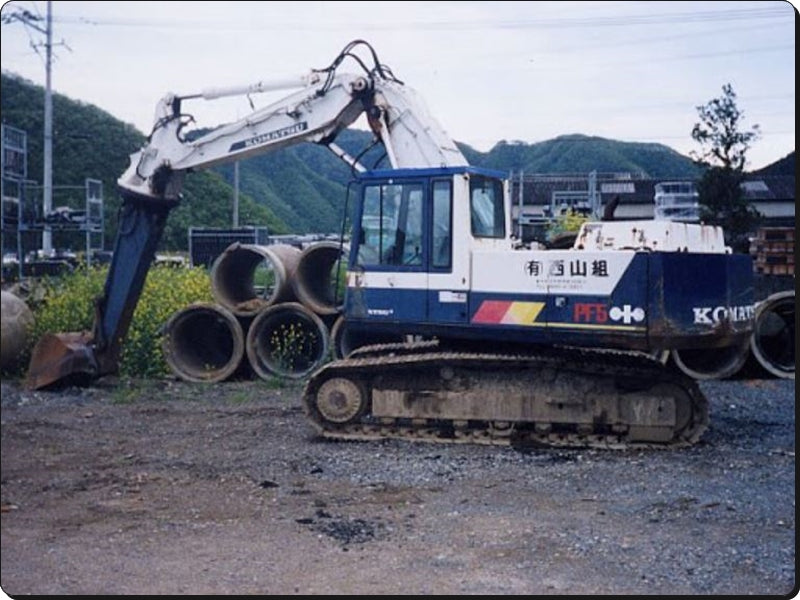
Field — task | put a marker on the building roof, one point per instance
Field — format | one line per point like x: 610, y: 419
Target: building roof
x: 539, y: 189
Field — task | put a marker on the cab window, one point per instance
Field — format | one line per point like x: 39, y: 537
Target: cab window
x: 486, y: 207
x: 391, y: 225
x: 442, y: 225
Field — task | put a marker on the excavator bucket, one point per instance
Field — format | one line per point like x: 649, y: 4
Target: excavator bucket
x: 61, y: 358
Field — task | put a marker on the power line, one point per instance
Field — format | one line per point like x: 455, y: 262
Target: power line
x: 624, y: 20
x: 614, y: 64
x: 652, y: 40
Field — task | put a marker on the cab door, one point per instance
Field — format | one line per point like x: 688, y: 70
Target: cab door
x: 448, y: 271
x: 388, y: 279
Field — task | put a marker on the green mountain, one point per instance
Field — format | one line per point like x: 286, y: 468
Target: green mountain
x: 583, y: 154
x: 784, y: 166
x: 298, y: 190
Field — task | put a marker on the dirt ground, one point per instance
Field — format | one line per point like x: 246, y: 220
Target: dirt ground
x: 164, y: 487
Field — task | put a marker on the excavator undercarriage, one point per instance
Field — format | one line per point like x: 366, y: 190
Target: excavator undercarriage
x: 562, y: 397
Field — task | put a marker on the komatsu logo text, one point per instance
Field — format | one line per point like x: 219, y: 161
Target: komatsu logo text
x: 271, y: 136
x: 709, y: 315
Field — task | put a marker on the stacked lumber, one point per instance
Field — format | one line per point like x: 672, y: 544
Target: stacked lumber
x: 773, y: 251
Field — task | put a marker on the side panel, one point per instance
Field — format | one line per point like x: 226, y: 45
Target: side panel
x: 586, y: 298
x: 386, y: 297
x: 700, y: 300
x: 447, y: 305
x: 616, y: 299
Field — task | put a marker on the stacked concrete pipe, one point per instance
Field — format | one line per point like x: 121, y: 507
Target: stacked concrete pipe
x: 316, y: 279
x: 235, y: 274
x: 203, y: 343
x: 206, y: 342
x: 287, y: 340
x: 279, y: 335
x: 773, y: 341
x: 772, y: 345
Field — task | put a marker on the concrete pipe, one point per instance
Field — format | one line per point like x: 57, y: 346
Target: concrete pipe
x: 286, y: 340
x: 204, y: 343
x: 712, y: 363
x: 17, y: 321
x: 246, y: 278
x: 344, y: 341
x: 318, y: 283
x: 772, y: 342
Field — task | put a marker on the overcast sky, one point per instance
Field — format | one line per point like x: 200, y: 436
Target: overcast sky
x: 489, y: 71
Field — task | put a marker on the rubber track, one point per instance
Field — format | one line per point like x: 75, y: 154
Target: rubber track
x: 366, y: 362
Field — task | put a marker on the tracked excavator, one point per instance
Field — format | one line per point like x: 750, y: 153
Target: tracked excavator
x: 518, y: 345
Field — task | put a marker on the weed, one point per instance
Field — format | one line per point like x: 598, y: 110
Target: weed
x: 68, y: 305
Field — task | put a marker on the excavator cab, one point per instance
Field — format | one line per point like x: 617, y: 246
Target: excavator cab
x: 409, y: 265
x: 432, y: 256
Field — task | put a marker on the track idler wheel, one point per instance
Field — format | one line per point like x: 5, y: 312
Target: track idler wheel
x: 339, y: 401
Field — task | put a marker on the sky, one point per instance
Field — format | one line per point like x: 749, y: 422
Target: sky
x: 488, y: 71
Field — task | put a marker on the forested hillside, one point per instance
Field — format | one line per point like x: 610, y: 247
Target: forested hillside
x: 305, y: 186
x: 298, y: 190
x: 583, y: 154
x: 785, y: 166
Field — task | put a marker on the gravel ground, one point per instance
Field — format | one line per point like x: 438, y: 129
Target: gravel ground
x: 164, y: 487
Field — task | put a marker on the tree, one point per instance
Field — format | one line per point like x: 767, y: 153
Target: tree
x: 723, y: 155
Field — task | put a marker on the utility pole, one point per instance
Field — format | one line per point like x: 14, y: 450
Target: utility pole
x: 236, y: 194
x: 519, y: 214
x: 594, y: 200
x: 47, y: 234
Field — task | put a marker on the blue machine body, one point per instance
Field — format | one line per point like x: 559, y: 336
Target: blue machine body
x: 484, y: 288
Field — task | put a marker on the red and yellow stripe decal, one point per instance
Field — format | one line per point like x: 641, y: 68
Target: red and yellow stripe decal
x: 508, y: 312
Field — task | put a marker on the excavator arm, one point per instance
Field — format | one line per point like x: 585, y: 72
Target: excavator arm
x: 325, y: 103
